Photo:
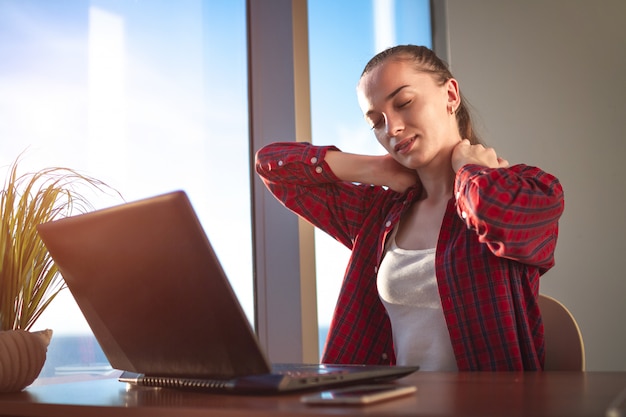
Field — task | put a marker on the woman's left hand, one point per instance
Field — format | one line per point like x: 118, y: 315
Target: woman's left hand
x: 465, y: 153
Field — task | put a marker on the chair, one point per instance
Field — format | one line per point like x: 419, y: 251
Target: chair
x: 565, y: 349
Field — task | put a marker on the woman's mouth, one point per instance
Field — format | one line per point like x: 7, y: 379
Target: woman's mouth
x: 405, y: 145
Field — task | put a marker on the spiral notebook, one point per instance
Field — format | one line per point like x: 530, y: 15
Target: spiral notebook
x: 152, y: 289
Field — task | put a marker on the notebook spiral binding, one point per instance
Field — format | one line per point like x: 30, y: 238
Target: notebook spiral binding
x: 185, y: 383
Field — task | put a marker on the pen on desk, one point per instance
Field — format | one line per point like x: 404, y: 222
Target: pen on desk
x: 618, y: 406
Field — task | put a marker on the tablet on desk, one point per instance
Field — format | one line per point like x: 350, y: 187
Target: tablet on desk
x: 359, y: 395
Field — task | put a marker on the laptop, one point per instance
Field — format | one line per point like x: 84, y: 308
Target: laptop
x: 152, y: 289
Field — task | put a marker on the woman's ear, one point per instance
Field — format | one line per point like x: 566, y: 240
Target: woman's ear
x: 454, y: 96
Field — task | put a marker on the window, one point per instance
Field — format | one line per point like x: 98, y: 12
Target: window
x: 148, y: 96
x: 339, y: 49
x: 151, y: 96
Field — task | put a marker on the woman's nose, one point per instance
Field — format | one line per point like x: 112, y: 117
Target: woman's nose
x: 394, y: 125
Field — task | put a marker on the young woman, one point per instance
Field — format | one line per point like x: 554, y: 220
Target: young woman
x: 448, y: 241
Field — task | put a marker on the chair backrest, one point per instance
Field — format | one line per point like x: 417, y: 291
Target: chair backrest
x: 565, y: 349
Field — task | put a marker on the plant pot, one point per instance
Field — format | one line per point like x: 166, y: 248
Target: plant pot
x: 22, y: 356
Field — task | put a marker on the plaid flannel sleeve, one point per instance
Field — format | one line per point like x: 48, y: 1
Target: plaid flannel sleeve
x: 515, y: 211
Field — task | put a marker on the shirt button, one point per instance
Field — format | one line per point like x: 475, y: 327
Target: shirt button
x: 388, y: 223
x: 376, y: 269
x: 384, y: 356
x: 281, y: 163
x: 314, y: 160
x: 464, y: 215
x: 458, y: 194
x: 318, y: 170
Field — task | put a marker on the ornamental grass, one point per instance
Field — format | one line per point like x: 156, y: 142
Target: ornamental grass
x: 29, y: 277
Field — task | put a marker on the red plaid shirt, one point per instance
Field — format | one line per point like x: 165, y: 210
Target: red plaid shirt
x: 497, y: 238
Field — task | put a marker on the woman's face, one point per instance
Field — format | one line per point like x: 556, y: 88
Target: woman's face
x: 409, y: 112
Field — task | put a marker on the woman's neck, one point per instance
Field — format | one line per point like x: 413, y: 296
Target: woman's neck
x: 437, y: 187
x: 437, y: 179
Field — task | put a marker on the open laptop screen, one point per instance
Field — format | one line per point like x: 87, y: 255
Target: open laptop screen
x: 153, y: 291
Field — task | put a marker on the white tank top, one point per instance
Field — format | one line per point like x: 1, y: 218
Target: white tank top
x: 407, y: 286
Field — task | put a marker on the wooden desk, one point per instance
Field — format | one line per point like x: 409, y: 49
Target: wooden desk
x: 439, y: 394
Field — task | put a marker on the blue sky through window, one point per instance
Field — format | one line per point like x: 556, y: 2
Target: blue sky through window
x: 151, y: 96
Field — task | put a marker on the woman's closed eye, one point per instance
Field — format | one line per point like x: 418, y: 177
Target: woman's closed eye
x: 404, y: 104
x: 375, y: 123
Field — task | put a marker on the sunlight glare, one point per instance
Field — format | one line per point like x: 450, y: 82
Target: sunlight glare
x: 384, y: 24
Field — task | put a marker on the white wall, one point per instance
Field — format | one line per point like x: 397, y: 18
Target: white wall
x: 547, y: 79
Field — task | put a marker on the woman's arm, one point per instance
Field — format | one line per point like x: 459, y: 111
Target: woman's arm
x: 318, y: 183
x: 376, y: 170
x: 515, y: 211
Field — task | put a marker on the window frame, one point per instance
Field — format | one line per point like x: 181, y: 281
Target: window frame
x: 283, y: 245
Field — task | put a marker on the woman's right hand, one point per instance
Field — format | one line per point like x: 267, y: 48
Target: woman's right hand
x: 397, y: 177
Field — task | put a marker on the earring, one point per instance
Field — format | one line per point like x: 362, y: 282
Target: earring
x: 452, y: 110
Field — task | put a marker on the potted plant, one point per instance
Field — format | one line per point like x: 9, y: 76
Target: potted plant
x: 29, y: 278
